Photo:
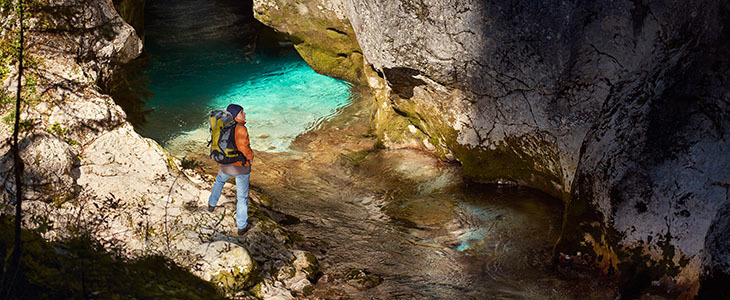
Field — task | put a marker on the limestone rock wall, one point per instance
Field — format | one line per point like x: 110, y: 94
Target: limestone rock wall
x: 617, y: 107
x: 511, y: 89
x: 653, y: 176
x: 87, y: 170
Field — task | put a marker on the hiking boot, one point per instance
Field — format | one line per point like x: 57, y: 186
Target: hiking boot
x: 241, y: 231
x: 211, y: 208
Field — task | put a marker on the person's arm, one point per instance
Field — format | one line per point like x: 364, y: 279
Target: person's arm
x: 242, y: 142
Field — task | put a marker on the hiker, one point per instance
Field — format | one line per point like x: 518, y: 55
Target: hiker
x: 239, y: 169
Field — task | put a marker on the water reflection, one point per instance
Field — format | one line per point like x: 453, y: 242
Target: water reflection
x: 413, y: 220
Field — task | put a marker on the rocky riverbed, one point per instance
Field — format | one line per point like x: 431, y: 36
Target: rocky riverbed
x: 401, y: 224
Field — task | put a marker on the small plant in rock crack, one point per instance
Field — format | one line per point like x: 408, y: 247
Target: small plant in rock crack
x: 190, y: 164
x: 42, y: 223
x: 60, y: 131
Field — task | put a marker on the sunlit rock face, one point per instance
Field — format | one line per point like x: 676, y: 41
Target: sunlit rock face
x: 87, y: 171
x: 620, y: 108
x: 64, y: 110
x: 480, y: 84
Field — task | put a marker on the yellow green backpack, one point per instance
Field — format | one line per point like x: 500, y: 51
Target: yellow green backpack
x: 223, y: 139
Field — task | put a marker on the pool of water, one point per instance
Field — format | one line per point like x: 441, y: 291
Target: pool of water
x: 202, y: 57
x: 414, y: 221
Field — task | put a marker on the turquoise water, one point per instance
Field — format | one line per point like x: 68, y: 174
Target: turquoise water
x: 202, y: 58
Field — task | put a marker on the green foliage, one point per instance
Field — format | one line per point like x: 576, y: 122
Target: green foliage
x: 80, y: 268
x: 24, y: 125
x: 9, y: 118
x: 10, y: 48
x: 57, y: 129
x: 190, y: 164
x: 60, y: 131
x: 5, y: 99
x: 42, y: 223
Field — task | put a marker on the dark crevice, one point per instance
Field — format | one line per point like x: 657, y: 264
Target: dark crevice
x: 402, y: 81
x: 335, y: 30
x: 380, y: 74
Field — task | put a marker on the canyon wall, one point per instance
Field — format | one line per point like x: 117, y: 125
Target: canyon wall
x: 620, y: 108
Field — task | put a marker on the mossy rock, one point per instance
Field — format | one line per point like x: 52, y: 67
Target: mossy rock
x: 235, y: 279
x: 531, y: 160
x: 346, y: 66
x: 362, y: 279
x: 307, y: 263
x: 326, y: 42
x: 231, y: 267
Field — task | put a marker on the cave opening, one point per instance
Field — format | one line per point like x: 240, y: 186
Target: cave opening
x: 203, y: 55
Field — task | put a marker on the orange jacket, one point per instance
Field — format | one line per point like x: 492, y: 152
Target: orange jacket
x: 242, y: 143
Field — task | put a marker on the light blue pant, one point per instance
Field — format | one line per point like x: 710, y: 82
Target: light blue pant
x: 241, y: 195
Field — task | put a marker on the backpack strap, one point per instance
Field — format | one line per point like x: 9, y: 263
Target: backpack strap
x: 243, y: 158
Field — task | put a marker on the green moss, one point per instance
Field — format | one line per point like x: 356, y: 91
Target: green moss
x: 60, y: 131
x: 362, y: 279
x: 327, y: 62
x: 313, y: 267
x: 290, y: 272
x: 355, y: 158
x: 328, y: 45
x: 584, y: 231
x: 307, y: 290
x: 231, y: 282
x: 256, y: 290
x: 511, y: 162
x: 526, y: 160
x: 190, y: 164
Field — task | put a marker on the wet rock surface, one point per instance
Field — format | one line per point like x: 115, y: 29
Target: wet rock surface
x: 653, y: 170
x: 619, y: 108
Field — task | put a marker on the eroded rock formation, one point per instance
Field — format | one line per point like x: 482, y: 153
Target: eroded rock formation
x: 320, y: 32
x: 619, y: 108
x: 88, y: 171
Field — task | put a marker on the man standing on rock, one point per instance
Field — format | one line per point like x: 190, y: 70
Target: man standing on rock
x: 239, y: 170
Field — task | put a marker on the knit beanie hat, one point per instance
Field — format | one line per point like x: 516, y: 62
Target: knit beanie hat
x: 234, y: 109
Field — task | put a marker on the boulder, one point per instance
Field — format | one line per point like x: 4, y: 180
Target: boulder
x: 48, y: 161
x: 272, y: 290
x: 228, y: 265
x: 132, y: 11
x: 299, y: 277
